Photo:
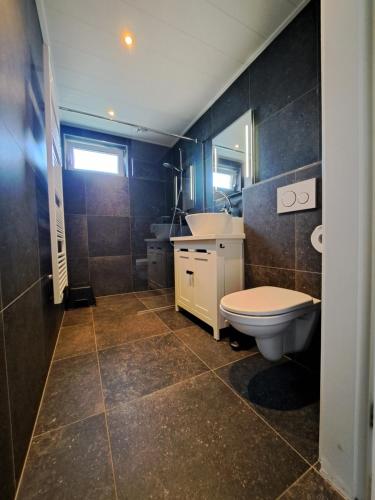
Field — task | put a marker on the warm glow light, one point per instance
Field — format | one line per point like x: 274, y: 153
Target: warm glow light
x: 236, y: 146
x: 128, y: 39
x: 111, y: 113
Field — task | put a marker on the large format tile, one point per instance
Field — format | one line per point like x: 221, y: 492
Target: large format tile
x: 209, y: 350
x: 139, y: 368
x: 175, y: 320
x: 285, y: 394
x: 72, y: 393
x: 19, y: 239
x: 79, y: 316
x: 111, y: 275
x: 312, y: 487
x: 158, y: 301
x: 78, y: 271
x: 270, y: 236
x: 307, y: 258
x: 291, y: 138
x: 76, y: 236
x: 310, y: 283
x: 140, y: 230
x: 108, y: 235
x: 7, y: 489
x: 107, y: 194
x: 27, y: 366
x: 74, y: 192
x: 126, y: 303
x: 289, y: 67
x: 147, y: 197
x: 119, y: 328
x: 147, y: 151
x: 198, y: 440
x: 72, y: 462
x: 74, y: 340
x: 269, y: 276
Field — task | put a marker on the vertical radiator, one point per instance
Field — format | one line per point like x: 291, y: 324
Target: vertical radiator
x: 55, y: 186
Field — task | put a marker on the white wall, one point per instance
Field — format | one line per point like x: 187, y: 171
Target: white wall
x: 346, y: 261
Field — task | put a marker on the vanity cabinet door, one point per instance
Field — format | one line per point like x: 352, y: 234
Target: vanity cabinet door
x: 185, y: 277
x: 205, y: 284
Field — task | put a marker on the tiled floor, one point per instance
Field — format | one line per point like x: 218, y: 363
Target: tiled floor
x: 143, y: 404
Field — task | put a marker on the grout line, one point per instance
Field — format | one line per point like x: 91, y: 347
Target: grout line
x: 72, y: 356
x: 332, y: 485
x: 284, y: 268
x: 60, y: 427
x: 294, y: 483
x: 263, y: 419
x: 105, y: 409
x: 39, y: 280
x: 155, y: 309
x: 38, y: 412
x: 108, y: 348
x: 236, y: 360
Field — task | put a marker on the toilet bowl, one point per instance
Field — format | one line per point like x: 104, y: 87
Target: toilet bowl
x: 281, y: 320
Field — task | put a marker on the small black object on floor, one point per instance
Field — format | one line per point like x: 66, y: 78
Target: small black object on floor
x: 82, y: 296
x: 239, y: 341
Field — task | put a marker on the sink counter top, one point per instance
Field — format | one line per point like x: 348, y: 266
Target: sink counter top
x: 205, y: 237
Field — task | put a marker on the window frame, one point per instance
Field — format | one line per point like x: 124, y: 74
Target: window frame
x: 72, y: 142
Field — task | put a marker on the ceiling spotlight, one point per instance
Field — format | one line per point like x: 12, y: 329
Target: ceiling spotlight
x: 128, y: 39
x: 111, y: 113
x: 236, y: 146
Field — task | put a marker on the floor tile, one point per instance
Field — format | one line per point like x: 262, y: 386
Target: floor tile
x: 285, y: 394
x: 198, y: 440
x: 72, y: 462
x: 125, y: 303
x: 213, y: 353
x: 77, y: 316
x: 73, y: 392
x: 312, y: 487
x: 119, y: 328
x: 74, y: 340
x: 175, y: 320
x: 158, y: 301
x: 139, y: 368
x: 152, y: 293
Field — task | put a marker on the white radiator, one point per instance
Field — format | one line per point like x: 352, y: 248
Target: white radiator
x: 55, y: 186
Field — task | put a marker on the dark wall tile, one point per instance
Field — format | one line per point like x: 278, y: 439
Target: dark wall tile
x: 76, y: 236
x: 74, y: 192
x: 147, y: 198
x: 44, y: 235
x: 307, y: 258
x: 27, y: 366
x: 289, y: 139
x: 270, y: 237
x: 269, y: 276
x: 52, y: 317
x: 147, y: 151
x: 107, y: 194
x: 7, y: 484
x: 78, y: 271
x: 143, y: 169
x: 202, y: 128
x: 141, y: 230
x: 289, y: 67
x: 310, y: 283
x: 108, y: 235
x: 19, y: 239
x: 111, y: 275
x: 232, y: 104
x: 140, y: 272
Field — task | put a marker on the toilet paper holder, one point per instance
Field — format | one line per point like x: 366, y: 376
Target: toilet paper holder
x: 317, y: 238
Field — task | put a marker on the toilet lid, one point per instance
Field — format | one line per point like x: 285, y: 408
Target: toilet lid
x: 265, y: 301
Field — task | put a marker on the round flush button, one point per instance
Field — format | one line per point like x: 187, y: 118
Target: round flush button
x: 288, y: 199
x: 303, y: 198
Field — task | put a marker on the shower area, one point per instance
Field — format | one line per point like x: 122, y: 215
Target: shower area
x: 119, y: 220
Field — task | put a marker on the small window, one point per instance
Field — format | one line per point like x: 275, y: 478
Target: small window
x: 94, y: 156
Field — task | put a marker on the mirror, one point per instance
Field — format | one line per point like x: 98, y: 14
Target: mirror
x: 232, y: 157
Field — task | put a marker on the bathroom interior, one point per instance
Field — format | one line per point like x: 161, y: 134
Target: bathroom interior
x: 161, y: 203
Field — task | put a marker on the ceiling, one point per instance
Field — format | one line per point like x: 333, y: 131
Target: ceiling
x: 185, y: 54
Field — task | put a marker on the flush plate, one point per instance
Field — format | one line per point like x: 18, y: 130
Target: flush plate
x: 297, y: 196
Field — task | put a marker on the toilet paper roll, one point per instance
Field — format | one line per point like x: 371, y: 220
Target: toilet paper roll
x: 317, y: 238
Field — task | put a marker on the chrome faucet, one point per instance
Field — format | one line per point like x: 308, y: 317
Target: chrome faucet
x: 227, y: 199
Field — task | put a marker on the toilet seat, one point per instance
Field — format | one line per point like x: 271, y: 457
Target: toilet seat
x: 265, y: 301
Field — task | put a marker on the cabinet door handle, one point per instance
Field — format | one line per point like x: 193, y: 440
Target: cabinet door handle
x: 189, y: 272
x: 204, y: 260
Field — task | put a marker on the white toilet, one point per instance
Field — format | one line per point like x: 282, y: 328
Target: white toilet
x: 281, y: 320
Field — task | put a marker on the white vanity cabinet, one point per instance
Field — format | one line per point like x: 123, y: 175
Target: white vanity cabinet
x: 206, y: 270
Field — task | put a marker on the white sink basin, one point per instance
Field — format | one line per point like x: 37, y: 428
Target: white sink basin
x: 209, y: 223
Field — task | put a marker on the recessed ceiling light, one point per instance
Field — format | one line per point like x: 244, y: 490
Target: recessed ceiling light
x: 111, y: 113
x: 128, y: 39
x: 236, y: 146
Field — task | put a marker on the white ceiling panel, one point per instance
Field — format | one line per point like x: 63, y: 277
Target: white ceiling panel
x: 185, y: 54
